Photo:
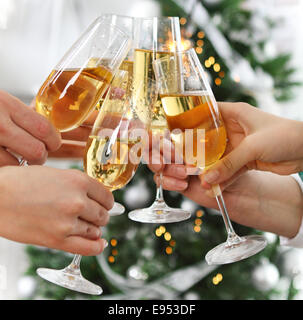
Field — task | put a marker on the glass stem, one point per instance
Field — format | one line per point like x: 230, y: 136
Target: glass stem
x: 22, y: 162
x: 159, y: 195
x: 232, y: 237
x: 74, y: 266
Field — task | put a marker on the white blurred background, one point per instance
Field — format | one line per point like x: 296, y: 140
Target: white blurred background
x: 34, y: 34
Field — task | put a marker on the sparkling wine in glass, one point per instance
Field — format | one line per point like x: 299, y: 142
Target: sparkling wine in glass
x: 155, y: 38
x: 198, y: 132
x: 70, y: 94
x: 126, y: 24
x: 75, y: 85
x: 113, y: 153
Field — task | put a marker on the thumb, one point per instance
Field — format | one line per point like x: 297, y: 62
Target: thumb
x: 229, y: 165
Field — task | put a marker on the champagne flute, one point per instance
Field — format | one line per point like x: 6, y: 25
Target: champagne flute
x: 126, y: 24
x: 198, y: 132
x: 113, y: 153
x: 155, y: 38
x: 73, y: 88
x: 81, y: 78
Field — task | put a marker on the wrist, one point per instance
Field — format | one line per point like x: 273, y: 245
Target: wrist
x: 298, y: 139
x: 275, y: 203
x: 289, y: 207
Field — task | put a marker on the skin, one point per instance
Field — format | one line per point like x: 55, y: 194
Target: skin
x: 62, y: 209
x: 24, y: 132
x: 261, y: 200
x: 257, y: 141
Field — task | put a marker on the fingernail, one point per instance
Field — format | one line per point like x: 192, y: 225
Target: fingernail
x: 192, y: 171
x: 181, y: 185
x: 181, y: 171
x: 211, y: 176
x: 105, y: 243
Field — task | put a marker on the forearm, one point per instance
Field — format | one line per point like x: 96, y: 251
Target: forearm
x: 269, y: 202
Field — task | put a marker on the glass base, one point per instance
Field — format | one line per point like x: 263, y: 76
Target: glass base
x: 159, y: 212
x: 116, y: 210
x: 246, y: 247
x: 70, y: 279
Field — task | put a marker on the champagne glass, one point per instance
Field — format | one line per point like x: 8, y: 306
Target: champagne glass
x: 198, y: 132
x: 113, y: 153
x: 74, y: 87
x: 126, y: 24
x: 155, y: 38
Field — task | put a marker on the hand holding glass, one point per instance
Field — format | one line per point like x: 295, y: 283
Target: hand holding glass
x: 155, y: 38
x: 113, y: 153
x: 198, y: 132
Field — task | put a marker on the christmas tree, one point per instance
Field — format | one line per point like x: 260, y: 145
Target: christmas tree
x: 146, y: 261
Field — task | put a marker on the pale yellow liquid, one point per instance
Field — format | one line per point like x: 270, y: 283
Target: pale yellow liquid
x: 126, y: 65
x: 143, y: 69
x: 119, y: 170
x: 195, y: 112
x: 67, y: 97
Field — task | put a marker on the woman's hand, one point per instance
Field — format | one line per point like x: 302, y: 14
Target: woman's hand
x: 261, y: 200
x: 256, y: 140
x: 61, y: 209
x: 24, y: 132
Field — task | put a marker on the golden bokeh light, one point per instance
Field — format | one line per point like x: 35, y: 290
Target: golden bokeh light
x: 183, y: 21
x: 218, y: 81
x: 200, y: 43
x: 158, y: 233
x: 198, y: 222
x: 217, y: 67
x: 211, y: 60
x: 201, y: 34
x: 199, y: 50
x: 162, y: 229
x: 169, y: 250
x: 207, y: 63
x: 185, y: 44
x: 199, y: 213
x: 217, y: 279
x: 111, y: 259
x: 172, y: 243
x: 167, y: 236
x: 113, y: 242
x: 221, y: 74
x: 197, y: 228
